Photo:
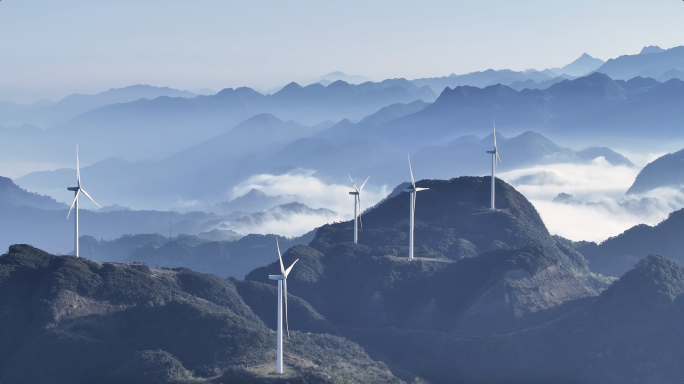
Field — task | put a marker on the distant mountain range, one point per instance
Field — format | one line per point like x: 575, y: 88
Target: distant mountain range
x: 531, y: 78
x: 142, y: 183
x: 651, y: 62
x: 569, y: 109
x: 49, y: 115
x: 267, y: 145
x: 137, y: 128
x: 30, y: 218
x: 14, y: 196
x: 584, y: 65
x: 158, y: 128
x: 235, y: 258
x: 335, y: 76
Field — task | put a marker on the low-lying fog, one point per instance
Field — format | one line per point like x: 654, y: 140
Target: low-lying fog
x: 598, y: 207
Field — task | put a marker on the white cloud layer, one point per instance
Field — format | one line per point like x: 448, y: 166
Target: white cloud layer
x: 304, y: 187
x: 599, y: 208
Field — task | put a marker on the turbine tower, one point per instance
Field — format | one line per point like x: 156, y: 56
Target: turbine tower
x: 282, y: 281
x: 413, y: 191
x: 495, y: 157
x: 357, y: 207
x: 76, y: 191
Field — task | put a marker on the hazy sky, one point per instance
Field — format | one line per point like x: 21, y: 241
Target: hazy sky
x: 53, y: 48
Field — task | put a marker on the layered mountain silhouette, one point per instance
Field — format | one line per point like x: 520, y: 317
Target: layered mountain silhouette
x: 651, y: 62
x: 595, y: 103
x: 483, y: 79
x: 665, y: 171
x: 253, y: 201
x: 144, y: 182
x: 160, y: 127
x: 244, y: 151
x: 515, y: 79
x: 531, y: 84
x: 580, y: 67
x: 112, y: 235
x: 338, y: 75
x: 525, y: 150
x: 49, y: 115
x: 40, y: 220
x: 618, y: 254
x: 222, y: 258
x: 12, y: 195
x: 651, y: 49
x: 235, y: 257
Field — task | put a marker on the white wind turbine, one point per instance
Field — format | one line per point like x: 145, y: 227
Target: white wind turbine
x: 357, y: 207
x: 495, y: 157
x: 77, y: 190
x: 413, y: 191
x: 282, y: 280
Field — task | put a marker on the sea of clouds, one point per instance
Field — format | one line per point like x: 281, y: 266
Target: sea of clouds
x: 598, y: 208
x: 302, y: 186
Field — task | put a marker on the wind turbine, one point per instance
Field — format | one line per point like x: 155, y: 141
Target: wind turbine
x: 357, y: 207
x: 77, y: 190
x: 413, y: 191
x: 282, y: 280
x: 495, y: 157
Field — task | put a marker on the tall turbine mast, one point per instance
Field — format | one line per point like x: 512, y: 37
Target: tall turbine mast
x: 282, y: 281
x: 495, y: 157
x: 413, y: 190
x: 76, y: 191
x: 357, y: 207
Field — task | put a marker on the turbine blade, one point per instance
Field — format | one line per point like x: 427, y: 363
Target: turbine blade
x: 287, y: 325
x: 415, y: 197
x: 352, y: 180
x: 411, y: 170
x: 494, y: 134
x: 287, y: 271
x: 72, y: 204
x: 91, y: 199
x: 364, y: 184
x: 280, y: 257
x: 498, y: 157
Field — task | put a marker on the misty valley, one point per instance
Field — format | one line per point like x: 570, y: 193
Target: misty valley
x: 497, y: 226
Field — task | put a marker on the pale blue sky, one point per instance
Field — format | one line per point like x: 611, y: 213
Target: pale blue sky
x: 53, y: 48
